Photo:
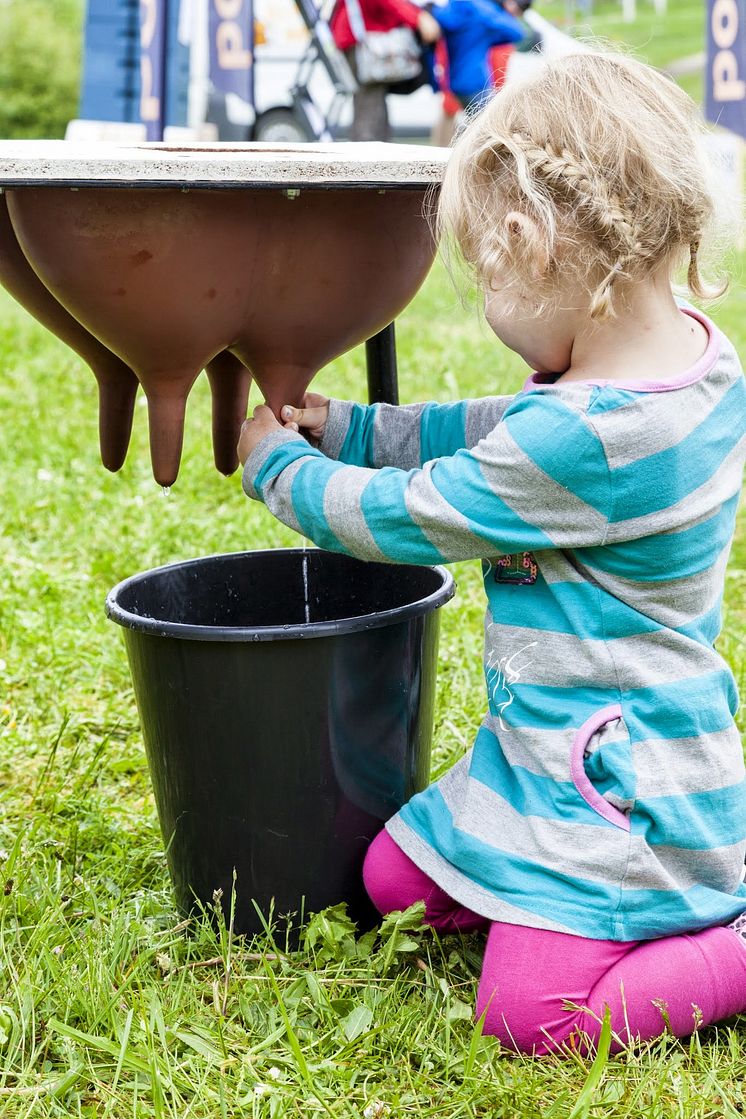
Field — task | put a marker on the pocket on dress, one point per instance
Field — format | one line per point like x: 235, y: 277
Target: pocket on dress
x: 586, y: 742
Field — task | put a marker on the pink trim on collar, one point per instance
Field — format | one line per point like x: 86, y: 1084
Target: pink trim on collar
x: 694, y: 373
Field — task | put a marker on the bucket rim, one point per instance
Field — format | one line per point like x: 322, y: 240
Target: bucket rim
x: 299, y: 630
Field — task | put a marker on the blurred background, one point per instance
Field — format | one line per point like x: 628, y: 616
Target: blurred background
x: 237, y: 70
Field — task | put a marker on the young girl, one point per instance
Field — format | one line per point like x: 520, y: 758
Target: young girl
x: 597, y: 828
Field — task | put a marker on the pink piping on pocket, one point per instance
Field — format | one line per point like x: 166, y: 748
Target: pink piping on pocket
x: 580, y: 778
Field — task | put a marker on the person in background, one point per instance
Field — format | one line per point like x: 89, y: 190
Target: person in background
x: 497, y: 61
x: 370, y: 114
x: 470, y: 29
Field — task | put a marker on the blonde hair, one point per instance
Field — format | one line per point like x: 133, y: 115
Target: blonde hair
x: 603, y: 153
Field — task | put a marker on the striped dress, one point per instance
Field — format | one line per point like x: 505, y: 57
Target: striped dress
x: 604, y: 794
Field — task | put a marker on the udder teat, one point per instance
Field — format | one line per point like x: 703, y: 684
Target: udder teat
x: 117, y: 389
x: 166, y: 408
x: 230, y: 382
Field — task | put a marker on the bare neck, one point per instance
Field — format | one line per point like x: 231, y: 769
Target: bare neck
x: 649, y: 339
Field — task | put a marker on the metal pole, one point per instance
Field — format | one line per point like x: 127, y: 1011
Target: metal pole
x: 199, y: 63
x: 251, y: 39
x: 153, y: 66
x: 165, y: 50
x: 380, y: 359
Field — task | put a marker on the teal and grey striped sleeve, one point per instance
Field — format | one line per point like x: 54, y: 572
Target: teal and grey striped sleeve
x: 538, y: 480
x: 407, y: 436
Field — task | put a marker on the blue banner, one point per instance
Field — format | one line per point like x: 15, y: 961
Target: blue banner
x: 153, y: 24
x: 231, y: 29
x: 725, y: 81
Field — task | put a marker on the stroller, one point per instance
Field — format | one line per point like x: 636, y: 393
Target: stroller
x: 304, y: 120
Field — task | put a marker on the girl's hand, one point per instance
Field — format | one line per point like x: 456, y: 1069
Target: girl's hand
x: 428, y: 27
x: 254, y: 430
x: 311, y: 418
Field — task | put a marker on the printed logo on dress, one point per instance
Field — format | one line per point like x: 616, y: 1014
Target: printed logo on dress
x: 518, y: 569
x: 501, y: 672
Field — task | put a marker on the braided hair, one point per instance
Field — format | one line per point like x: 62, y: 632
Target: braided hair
x: 604, y: 154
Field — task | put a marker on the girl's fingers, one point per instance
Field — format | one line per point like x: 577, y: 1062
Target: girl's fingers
x: 304, y: 417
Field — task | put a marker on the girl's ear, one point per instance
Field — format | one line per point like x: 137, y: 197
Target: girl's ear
x: 526, y: 243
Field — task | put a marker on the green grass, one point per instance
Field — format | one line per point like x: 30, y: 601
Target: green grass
x: 39, y: 66
x: 659, y: 39
x: 107, y: 1007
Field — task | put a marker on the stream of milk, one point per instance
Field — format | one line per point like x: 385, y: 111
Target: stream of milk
x: 305, y: 580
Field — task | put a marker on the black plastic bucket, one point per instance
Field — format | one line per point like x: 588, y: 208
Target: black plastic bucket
x: 286, y: 702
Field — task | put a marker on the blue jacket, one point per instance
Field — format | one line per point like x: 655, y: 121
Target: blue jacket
x: 470, y: 28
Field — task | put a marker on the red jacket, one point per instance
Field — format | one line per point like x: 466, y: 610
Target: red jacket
x: 378, y: 15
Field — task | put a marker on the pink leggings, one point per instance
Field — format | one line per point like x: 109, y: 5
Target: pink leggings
x: 530, y: 975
